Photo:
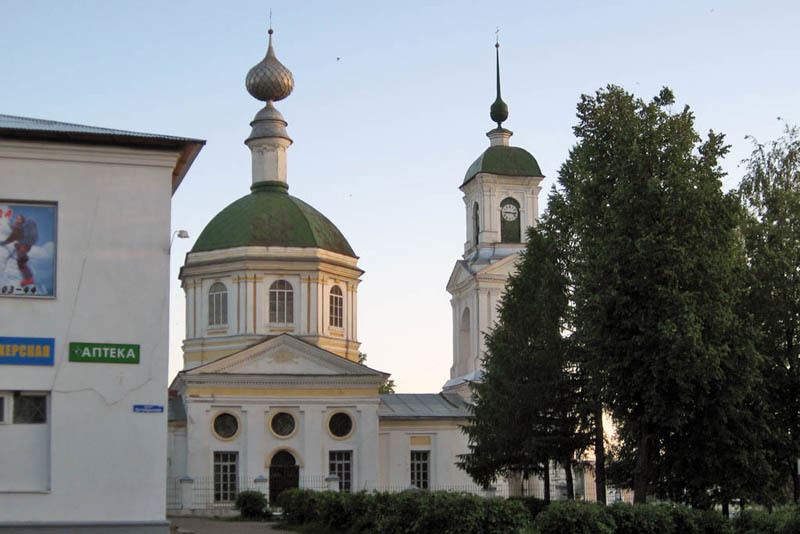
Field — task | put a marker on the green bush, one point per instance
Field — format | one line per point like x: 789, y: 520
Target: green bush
x: 570, y: 517
x: 533, y: 505
x: 300, y: 506
x: 789, y: 521
x: 641, y: 519
x: 504, y: 516
x: 404, y: 513
x: 252, y: 504
x: 709, y: 522
x: 756, y: 522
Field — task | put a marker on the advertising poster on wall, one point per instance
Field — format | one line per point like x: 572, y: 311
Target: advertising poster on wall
x: 27, y: 249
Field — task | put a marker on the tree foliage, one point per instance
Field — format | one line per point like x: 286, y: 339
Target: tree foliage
x: 388, y: 385
x: 658, y: 279
x: 649, y: 293
x: 770, y: 191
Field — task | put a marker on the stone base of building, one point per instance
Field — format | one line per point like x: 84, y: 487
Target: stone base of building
x: 91, y: 527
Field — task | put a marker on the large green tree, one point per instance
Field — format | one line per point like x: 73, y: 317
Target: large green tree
x: 770, y: 191
x: 657, y: 277
x: 527, y: 408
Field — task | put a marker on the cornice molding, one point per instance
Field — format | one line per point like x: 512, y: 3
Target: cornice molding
x: 254, y: 381
x: 75, y: 153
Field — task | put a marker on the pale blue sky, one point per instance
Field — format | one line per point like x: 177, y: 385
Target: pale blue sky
x: 384, y: 134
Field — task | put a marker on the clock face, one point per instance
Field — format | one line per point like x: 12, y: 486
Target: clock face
x: 509, y: 212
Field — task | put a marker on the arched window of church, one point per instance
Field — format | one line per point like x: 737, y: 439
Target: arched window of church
x: 217, y: 305
x: 476, y: 224
x: 281, y: 302
x: 336, y: 307
x: 510, y: 221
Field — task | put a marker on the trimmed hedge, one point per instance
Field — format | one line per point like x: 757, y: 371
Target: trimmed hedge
x: 404, y: 513
x: 423, y: 512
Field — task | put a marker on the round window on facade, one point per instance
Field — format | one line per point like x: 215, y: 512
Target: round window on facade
x: 226, y: 425
x: 282, y: 424
x: 340, y: 425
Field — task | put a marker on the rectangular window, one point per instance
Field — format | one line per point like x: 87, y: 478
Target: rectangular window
x: 2, y: 409
x: 225, y: 476
x: 341, y: 465
x: 420, y: 469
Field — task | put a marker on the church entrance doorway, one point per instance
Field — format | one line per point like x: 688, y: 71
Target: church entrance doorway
x: 284, y: 473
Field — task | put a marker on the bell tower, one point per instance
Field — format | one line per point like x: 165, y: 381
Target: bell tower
x: 501, y: 201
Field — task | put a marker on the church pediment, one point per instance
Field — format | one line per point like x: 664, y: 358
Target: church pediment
x: 463, y: 275
x: 503, y: 268
x: 460, y: 275
x: 285, y: 355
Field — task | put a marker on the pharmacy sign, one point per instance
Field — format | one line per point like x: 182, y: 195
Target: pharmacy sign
x: 103, y: 353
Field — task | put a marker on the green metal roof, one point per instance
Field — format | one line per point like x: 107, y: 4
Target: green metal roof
x: 269, y: 216
x: 507, y: 160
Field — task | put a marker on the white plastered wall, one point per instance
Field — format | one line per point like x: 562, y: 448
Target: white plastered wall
x: 105, y: 461
x: 446, y: 443
x: 310, y: 444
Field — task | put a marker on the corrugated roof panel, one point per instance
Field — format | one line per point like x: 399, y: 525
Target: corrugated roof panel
x: 15, y: 123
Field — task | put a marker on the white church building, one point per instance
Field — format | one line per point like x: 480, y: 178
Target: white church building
x: 272, y: 394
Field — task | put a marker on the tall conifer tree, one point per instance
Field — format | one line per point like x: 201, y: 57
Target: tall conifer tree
x: 526, y: 409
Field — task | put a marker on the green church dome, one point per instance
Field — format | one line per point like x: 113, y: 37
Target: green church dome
x: 507, y: 160
x: 269, y: 216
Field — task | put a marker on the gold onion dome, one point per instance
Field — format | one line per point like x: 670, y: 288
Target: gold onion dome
x: 269, y: 80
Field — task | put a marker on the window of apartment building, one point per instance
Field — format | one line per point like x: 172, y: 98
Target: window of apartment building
x: 225, y: 476
x: 30, y: 408
x: 340, y: 463
x: 420, y: 469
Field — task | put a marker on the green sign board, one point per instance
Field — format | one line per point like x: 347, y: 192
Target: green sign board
x: 103, y: 353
